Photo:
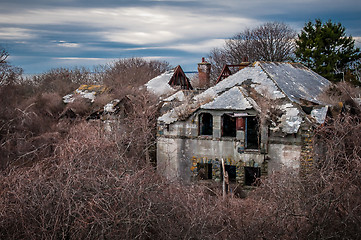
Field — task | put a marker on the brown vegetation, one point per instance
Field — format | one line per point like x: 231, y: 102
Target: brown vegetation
x: 81, y: 181
x: 95, y: 191
x: 30, y: 108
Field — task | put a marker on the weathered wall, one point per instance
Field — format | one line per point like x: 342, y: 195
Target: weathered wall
x: 179, y: 149
x: 178, y: 157
x: 283, y: 156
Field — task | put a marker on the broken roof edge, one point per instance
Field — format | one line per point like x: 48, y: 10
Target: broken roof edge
x: 231, y: 99
x: 207, y: 96
x: 86, y: 91
x: 185, y: 110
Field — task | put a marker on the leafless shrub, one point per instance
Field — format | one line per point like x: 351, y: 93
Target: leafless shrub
x: 135, y: 134
x: 124, y: 75
x: 4, y: 54
x: 8, y: 74
x: 23, y: 121
x: 101, y: 100
x: 81, y: 106
x: 89, y: 191
x: 324, y: 203
x: 94, y: 190
x: 340, y: 92
x: 61, y: 80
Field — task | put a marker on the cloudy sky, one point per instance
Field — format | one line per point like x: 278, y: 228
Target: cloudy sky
x: 45, y: 34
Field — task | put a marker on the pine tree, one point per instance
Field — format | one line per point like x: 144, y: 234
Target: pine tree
x: 325, y: 48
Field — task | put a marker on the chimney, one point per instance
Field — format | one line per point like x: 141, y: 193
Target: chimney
x: 204, y: 71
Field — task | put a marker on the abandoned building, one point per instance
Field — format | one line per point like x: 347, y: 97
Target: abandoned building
x: 85, y: 91
x: 258, y: 120
x: 86, y: 94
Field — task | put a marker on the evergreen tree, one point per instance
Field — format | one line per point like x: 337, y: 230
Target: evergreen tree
x: 325, y: 48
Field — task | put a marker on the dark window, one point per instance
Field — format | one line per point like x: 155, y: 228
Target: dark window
x: 205, y: 124
x: 252, y: 133
x: 232, y: 172
x: 228, y: 126
x: 251, y: 174
x: 204, y: 171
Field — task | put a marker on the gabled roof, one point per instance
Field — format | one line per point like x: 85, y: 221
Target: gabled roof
x: 226, y: 71
x: 159, y: 85
x: 291, y: 84
x: 166, y: 83
x: 260, y: 82
x: 257, y: 78
x: 179, y: 78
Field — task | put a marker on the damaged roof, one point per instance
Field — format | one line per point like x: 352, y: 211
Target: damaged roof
x: 85, y: 91
x: 233, y: 99
x: 165, y: 84
x: 291, y: 83
x: 296, y: 81
x: 159, y: 85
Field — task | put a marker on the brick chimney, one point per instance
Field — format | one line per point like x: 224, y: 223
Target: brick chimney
x: 204, y: 71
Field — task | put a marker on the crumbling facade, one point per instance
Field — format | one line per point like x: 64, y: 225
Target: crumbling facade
x: 257, y: 120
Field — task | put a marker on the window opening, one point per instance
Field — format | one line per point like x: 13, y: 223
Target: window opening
x: 232, y: 172
x: 251, y: 174
x: 204, y: 171
x: 206, y: 124
x: 228, y: 126
x: 252, y: 133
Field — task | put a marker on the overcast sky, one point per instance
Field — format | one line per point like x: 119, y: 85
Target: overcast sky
x: 45, y: 34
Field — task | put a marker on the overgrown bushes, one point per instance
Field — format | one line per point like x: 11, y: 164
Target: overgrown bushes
x: 90, y: 190
x: 84, y: 182
x: 30, y: 108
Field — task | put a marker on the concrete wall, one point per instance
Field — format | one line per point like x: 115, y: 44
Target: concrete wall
x: 283, y: 156
x: 179, y: 149
x: 177, y: 157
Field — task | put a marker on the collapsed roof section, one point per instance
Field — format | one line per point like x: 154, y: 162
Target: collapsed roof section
x: 86, y: 92
x: 286, y: 85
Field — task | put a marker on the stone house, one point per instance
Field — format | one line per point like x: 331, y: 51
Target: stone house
x: 258, y: 120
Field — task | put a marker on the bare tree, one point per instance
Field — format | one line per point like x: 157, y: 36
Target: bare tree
x: 3, y: 55
x: 272, y: 41
x: 8, y: 73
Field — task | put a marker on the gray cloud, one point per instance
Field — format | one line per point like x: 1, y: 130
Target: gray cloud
x: 90, y: 32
